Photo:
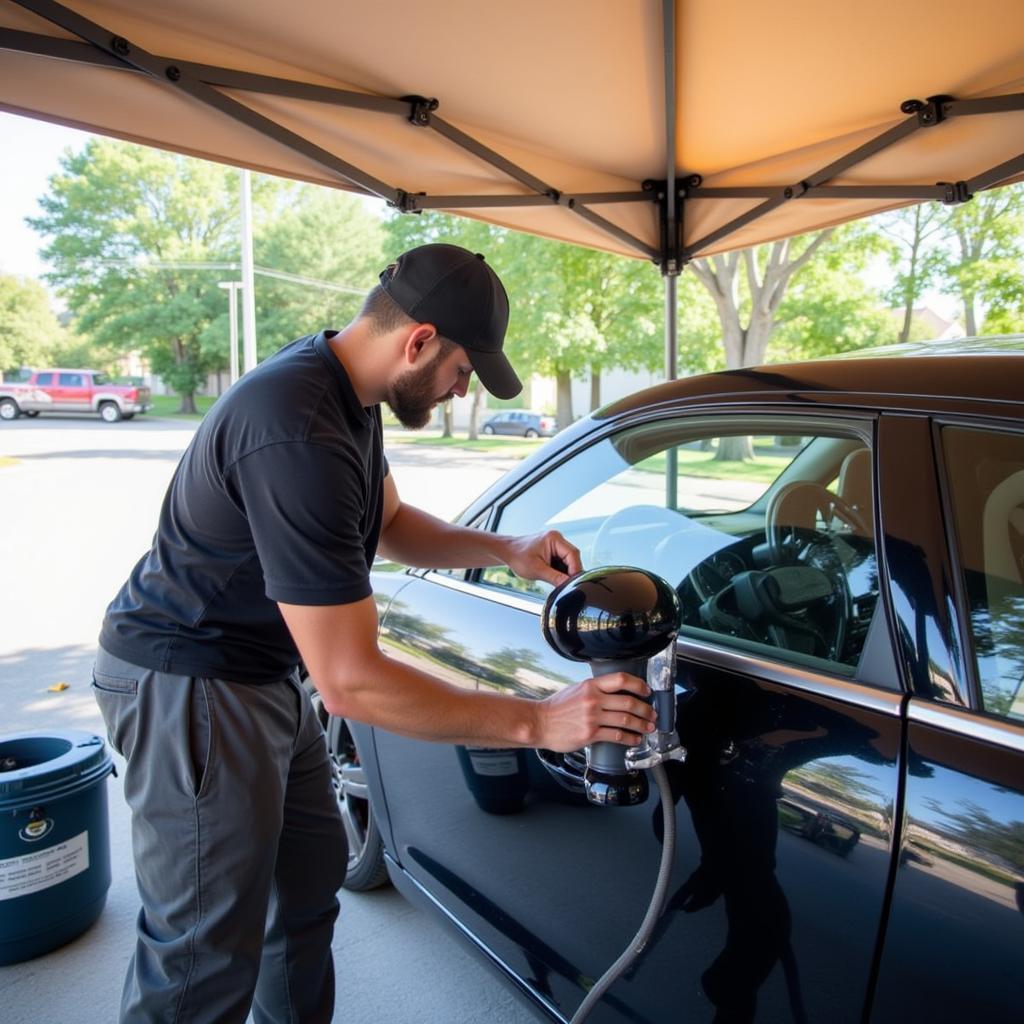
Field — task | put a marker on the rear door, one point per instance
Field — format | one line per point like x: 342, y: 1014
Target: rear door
x: 954, y: 946
x: 785, y: 805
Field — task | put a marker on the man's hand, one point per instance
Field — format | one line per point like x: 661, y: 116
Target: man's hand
x: 596, y: 710
x: 534, y: 557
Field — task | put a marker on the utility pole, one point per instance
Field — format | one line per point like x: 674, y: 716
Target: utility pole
x: 232, y: 288
x: 248, y: 289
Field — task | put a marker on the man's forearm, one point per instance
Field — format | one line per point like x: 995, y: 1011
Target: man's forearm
x: 386, y: 693
x: 416, y: 538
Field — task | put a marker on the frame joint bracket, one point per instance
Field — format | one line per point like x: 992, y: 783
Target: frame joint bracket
x: 420, y: 109
x: 954, y: 192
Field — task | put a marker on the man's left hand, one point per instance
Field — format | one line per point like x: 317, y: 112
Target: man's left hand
x: 534, y: 557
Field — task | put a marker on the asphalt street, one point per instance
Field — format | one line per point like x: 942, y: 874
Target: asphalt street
x: 78, y: 504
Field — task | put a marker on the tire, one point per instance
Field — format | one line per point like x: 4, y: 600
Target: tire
x: 109, y: 412
x: 9, y: 409
x: 530, y: 432
x: 366, y: 868
x: 127, y: 415
x: 488, y: 429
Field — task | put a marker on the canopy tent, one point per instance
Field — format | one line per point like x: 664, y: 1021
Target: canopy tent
x: 663, y: 130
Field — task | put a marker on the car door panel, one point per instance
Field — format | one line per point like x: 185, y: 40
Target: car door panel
x: 784, y: 816
x: 954, y: 946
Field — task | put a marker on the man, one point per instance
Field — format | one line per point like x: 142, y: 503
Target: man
x: 262, y: 557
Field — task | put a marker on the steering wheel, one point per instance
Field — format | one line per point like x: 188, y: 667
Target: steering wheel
x: 794, y: 538
x: 793, y: 514
x: 609, y: 549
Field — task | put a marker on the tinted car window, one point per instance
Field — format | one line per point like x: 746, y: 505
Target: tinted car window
x: 986, y: 479
x: 71, y: 380
x: 767, y: 536
x: 44, y: 379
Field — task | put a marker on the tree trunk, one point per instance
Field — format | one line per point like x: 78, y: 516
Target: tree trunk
x: 446, y: 419
x: 474, y: 413
x: 188, y: 402
x: 970, y: 313
x: 563, y: 414
x: 769, y: 270
x: 910, y: 292
x: 734, y: 449
x: 595, y: 388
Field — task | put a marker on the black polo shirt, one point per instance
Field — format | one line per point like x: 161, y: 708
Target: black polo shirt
x: 277, y: 498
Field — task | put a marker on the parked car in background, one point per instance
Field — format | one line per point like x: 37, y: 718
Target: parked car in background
x: 850, y: 691
x: 521, y: 423
x: 60, y: 390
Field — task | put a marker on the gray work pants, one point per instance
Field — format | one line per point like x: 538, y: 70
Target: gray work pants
x: 239, y: 847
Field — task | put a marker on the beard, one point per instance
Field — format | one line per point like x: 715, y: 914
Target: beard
x: 413, y: 395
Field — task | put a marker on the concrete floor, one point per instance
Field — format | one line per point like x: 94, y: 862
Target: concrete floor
x: 79, y: 506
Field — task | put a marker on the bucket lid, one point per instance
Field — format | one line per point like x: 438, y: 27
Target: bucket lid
x: 41, y: 761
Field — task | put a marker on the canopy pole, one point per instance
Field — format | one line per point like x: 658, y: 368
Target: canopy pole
x: 671, y: 235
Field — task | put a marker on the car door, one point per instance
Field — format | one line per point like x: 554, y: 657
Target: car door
x: 954, y: 946
x: 72, y: 393
x: 785, y: 804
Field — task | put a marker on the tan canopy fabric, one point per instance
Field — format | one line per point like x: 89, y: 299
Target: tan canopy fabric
x: 558, y: 100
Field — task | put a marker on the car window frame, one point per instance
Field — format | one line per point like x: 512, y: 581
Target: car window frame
x: 878, y: 668
x: 965, y: 633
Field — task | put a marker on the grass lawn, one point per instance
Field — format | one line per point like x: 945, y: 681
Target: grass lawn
x: 761, y: 469
x: 511, y: 446
x: 167, y: 406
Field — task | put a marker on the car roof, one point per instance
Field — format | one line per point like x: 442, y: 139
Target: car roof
x: 985, y: 370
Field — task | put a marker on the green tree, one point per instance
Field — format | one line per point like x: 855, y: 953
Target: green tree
x: 121, y: 221
x: 981, y: 262
x: 912, y: 234
x: 799, y: 294
x: 29, y: 330
x: 315, y: 233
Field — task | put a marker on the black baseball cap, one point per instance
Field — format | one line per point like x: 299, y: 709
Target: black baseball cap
x: 458, y: 292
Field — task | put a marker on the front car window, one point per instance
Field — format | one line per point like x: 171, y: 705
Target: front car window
x: 765, y: 529
x: 985, y: 470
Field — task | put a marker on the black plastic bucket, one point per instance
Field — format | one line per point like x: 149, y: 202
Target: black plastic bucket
x: 54, y: 839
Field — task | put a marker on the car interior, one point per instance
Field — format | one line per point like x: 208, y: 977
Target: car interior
x: 774, y: 554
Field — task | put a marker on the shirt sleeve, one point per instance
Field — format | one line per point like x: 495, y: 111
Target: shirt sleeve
x: 306, y: 506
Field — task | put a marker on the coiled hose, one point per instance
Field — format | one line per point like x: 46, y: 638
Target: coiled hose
x: 654, y: 908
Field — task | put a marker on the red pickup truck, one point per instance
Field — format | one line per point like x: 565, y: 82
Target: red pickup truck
x: 72, y: 391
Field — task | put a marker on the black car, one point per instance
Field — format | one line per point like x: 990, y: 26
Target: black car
x: 850, y: 813
x: 520, y: 423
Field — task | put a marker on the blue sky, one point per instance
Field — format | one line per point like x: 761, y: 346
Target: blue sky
x: 29, y: 152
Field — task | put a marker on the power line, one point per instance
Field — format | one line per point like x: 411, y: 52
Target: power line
x: 279, y: 275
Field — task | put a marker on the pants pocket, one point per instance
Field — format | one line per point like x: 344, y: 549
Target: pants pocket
x: 200, y: 735
x: 116, y: 697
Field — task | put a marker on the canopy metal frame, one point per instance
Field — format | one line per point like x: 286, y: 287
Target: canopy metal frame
x: 204, y: 83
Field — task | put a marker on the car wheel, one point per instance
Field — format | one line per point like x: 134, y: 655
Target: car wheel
x: 9, y: 409
x: 366, y: 868
x: 109, y: 412
x: 488, y: 429
x: 530, y: 432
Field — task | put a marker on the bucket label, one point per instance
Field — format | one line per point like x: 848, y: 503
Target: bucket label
x: 41, y: 869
